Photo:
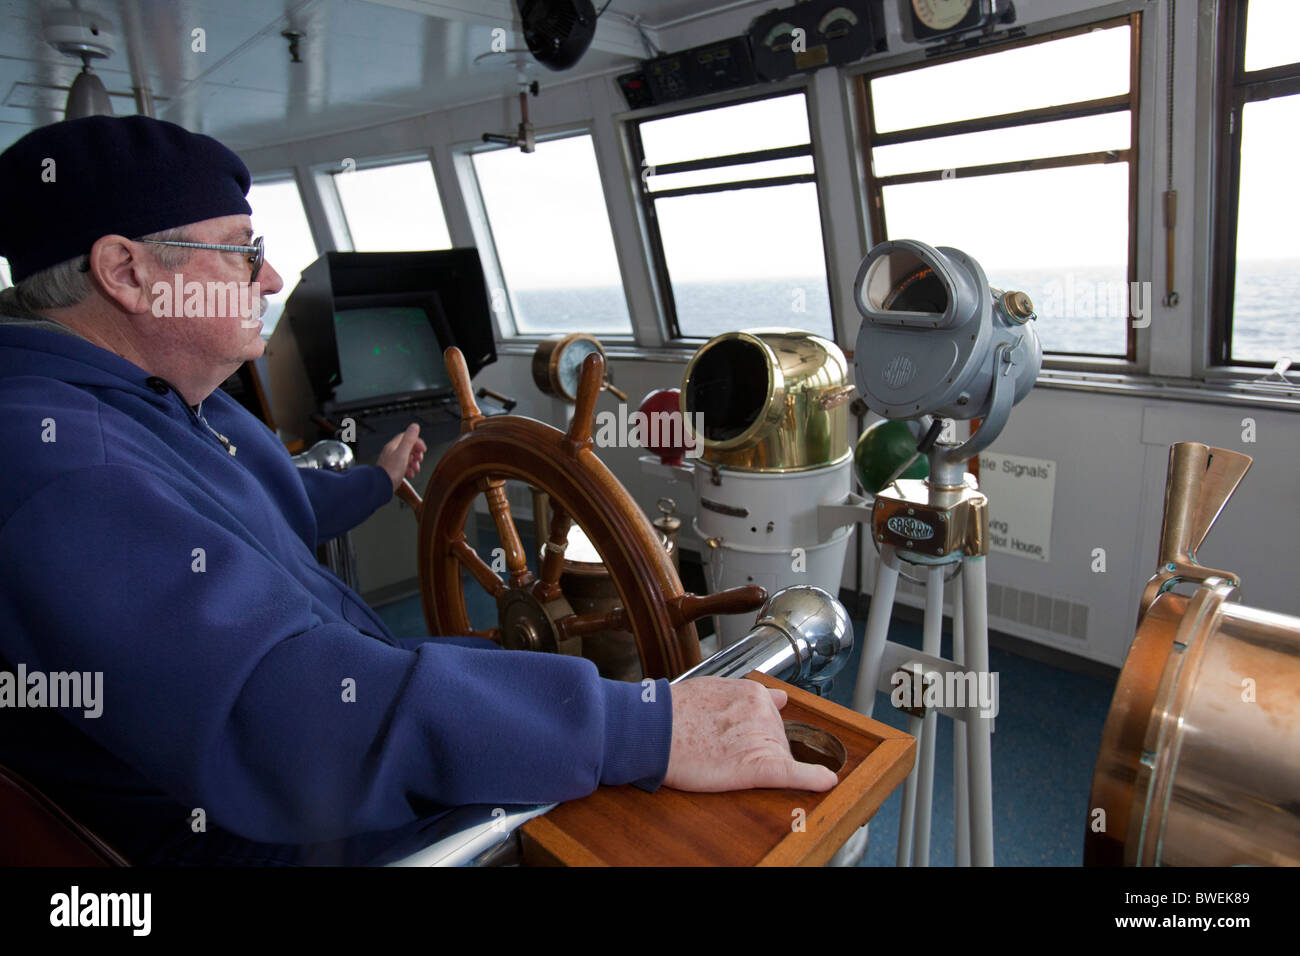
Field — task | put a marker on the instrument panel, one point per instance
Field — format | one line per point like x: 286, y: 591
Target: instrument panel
x: 811, y: 35
x: 778, y: 44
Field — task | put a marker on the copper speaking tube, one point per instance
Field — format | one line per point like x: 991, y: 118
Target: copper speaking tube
x: 1200, y: 757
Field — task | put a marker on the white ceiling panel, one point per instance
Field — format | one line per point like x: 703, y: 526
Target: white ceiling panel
x: 363, y: 61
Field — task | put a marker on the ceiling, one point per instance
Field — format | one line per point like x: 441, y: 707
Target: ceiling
x: 363, y: 61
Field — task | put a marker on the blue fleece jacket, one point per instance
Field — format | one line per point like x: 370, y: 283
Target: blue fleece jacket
x: 133, y: 544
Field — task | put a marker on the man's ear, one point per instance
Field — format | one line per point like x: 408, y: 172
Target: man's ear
x: 121, y: 273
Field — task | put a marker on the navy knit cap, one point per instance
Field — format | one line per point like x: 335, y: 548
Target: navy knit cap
x: 128, y: 175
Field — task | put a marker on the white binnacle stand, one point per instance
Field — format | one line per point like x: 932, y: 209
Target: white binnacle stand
x: 972, y: 745
x: 766, y: 528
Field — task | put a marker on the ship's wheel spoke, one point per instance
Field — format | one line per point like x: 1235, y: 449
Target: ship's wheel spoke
x: 477, y: 567
x: 494, y: 489
x: 547, y: 587
x: 686, y: 608
x: 580, y: 625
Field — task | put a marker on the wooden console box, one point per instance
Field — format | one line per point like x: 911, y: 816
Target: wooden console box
x: 625, y: 826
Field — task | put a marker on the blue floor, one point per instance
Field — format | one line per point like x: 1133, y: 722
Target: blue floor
x: 1044, y: 747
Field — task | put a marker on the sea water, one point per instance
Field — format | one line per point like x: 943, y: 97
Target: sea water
x: 1080, y: 310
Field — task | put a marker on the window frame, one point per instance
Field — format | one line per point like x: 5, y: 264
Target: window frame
x: 1235, y: 88
x: 873, y: 185
x: 505, y: 319
x: 325, y: 175
x: 284, y: 174
x: 645, y: 197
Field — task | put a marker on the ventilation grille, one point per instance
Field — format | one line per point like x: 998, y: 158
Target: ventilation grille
x: 554, y: 25
x: 1042, y: 611
x: 550, y: 24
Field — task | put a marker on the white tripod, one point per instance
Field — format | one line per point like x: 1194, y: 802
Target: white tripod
x: 947, y: 516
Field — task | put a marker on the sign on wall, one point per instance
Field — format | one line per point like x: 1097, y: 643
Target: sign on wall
x: 1020, y: 492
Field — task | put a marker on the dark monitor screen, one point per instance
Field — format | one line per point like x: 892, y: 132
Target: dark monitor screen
x: 350, y: 304
x: 387, y: 351
x: 389, y: 348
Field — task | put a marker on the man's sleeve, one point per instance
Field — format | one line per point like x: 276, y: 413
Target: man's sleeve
x: 342, y: 500
x: 223, y: 685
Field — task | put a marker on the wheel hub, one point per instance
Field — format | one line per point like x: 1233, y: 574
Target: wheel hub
x: 529, y: 625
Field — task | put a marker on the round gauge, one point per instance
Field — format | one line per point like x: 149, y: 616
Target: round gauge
x: 780, y: 37
x: 557, y: 363
x: 941, y: 14
x: 837, y: 23
x: 568, y: 368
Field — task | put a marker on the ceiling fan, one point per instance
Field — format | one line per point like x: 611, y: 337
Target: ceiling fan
x: 558, y: 32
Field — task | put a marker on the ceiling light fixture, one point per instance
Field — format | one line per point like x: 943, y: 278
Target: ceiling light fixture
x: 75, y: 32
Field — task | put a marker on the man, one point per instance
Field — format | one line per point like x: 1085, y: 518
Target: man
x: 158, y: 541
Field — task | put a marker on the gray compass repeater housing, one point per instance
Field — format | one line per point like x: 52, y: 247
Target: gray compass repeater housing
x: 936, y: 340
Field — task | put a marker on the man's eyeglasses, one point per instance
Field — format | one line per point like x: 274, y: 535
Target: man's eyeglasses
x: 256, y: 252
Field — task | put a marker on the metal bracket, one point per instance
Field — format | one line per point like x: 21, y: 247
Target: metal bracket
x: 911, y: 661
x: 852, y: 510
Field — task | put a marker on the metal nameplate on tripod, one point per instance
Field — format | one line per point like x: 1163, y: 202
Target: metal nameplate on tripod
x: 905, y: 520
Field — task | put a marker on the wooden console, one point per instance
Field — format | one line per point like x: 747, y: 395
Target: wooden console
x: 625, y: 826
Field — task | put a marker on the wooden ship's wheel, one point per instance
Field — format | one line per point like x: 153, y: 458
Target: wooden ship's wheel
x: 532, y: 612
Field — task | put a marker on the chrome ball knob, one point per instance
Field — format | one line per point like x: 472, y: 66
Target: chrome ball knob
x: 816, y: 623
x: 329, y: 455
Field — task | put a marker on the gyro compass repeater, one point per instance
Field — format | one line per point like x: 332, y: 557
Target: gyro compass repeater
x: 938, y: 342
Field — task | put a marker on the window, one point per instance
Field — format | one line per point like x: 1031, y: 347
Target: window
x: 1257, y: 251
x: 392, y: 208
x: 6, y: 279
x: 1024, y: 158
x: 552, y: 237
x: 278, y: 215
x: 730, y: 200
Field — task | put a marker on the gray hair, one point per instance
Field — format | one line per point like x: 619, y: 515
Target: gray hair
x: 68, y: 283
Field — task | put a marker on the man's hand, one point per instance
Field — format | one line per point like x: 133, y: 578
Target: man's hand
x: 728, y: 735
x: 401, y: 457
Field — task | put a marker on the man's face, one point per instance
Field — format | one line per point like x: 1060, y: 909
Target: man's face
x: 226, y: 331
